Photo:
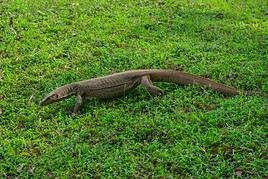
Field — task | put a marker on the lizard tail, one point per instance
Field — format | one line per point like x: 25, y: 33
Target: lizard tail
x: 179, y: 77
x: 255, y: 93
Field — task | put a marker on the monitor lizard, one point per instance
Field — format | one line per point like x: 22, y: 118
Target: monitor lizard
x: 119, y: 84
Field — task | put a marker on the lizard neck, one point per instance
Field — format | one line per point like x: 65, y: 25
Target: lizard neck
x: 68, y: 90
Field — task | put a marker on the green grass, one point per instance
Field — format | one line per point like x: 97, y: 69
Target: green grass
x: 189, y: 132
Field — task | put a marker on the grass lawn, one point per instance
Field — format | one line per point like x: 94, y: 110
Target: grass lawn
x: 189, y: 132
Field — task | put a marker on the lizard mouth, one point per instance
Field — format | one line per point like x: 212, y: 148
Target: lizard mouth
x: 44, y: 102
x: 47, y: 100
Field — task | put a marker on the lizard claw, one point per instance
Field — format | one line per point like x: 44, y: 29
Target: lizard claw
x: 161, y: 93
x: 69, y: 111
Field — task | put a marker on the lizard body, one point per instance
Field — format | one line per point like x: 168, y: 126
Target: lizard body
x: 119, y: 84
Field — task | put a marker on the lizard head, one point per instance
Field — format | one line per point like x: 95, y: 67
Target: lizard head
x: 57, y: 95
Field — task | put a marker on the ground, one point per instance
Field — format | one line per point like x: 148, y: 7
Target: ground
x: 189, y: 132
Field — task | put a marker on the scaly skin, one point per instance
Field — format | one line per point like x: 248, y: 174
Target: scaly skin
x: 119, y: 84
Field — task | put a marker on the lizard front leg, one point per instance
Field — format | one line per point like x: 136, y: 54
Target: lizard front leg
x: 148, y: 84
x: 78, y: 103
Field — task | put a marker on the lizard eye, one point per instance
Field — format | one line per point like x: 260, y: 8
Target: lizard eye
x: 54, y: 96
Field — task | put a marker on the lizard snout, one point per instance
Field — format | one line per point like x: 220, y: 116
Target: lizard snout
x: 43, y: 102
x: 50, y: 98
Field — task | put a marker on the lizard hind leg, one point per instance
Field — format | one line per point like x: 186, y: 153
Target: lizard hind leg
x: 148, y: 84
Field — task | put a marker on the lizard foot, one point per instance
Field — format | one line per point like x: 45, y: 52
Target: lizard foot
x: 70, y: 111
x: 155, y: 91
